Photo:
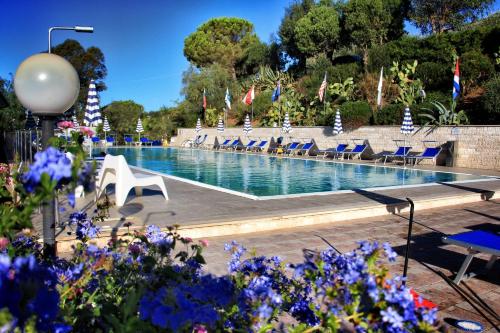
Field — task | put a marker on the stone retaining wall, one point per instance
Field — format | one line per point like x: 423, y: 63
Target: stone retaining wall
x: 474, y: 146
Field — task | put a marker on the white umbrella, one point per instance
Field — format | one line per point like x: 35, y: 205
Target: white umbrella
x: 247, y: 126
x: 76, y: 124
x: 92, y: 111
x: 198, y: 126
x: 287, y: 127
x: 407, y: 126
x: 337, y: 127
x: 139, y: 129
x: 220, y: 125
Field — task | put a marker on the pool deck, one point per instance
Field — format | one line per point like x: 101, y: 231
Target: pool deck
x: 205, y: 212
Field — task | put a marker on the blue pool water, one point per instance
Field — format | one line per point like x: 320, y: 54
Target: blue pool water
x: 262, y: 175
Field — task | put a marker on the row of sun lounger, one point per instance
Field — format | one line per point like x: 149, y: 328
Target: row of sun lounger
x: 340, y: 151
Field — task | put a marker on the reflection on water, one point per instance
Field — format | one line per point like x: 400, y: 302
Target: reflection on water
x: 264, y: 175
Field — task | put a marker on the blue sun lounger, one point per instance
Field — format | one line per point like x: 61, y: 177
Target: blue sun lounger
x: 233, y: 144
x: 250, y: 145
x: 111, y: 140
x: 341, y: 147
x: 400, y: 152
x: 356, y: 151
x: 475, y: 242
x: 128, y: 140
x: 305, y: 148
x: 260, y: 146
x: 430, y: 153
x: 292, y: 148
x: 224, y: 144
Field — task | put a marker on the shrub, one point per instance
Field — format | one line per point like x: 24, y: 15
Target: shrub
x: 355, y: 114
x: 391, y: 114
x: 491, y: 100
x: 426, y: 104
x: 341, y: 72
x: 434, y: 75
x: 475, y: 68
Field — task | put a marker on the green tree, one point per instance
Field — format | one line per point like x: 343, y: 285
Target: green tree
x: 286, y: 31
x: 367, y: 22
x: 214, y: 80
x: 159, y: 124
x: 432, y: 16
x: 89, y: 64
x: 220, y: 40
x: 12, y: 117
x: 259, y: 54
x: 123, y: 116
x: 318, y: 31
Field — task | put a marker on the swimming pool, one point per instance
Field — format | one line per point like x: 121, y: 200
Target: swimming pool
x: 263, y: 176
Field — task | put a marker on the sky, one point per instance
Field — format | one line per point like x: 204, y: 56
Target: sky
x: 142, y: 41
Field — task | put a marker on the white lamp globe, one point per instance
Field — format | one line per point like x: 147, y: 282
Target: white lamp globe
x: 46, y: 84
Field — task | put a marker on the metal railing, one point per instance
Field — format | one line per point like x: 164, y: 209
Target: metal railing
x: 20, y: 146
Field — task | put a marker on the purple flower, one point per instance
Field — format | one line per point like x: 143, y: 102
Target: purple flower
x: 52, y: 162
x: 392, y: 317
x: 390, y: 253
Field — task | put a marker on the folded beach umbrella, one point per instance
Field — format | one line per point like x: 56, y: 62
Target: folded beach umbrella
x: 198, y: 126
x: 220, y: 125
x: 287, y: 127
x: 92, y: 111
x: 407, y: 126
x: 247, y: 126
x: 76, y: 124
x: 105, y: 126
x: 30, y: 121
x: 337, y: 127
x: 139, y: 129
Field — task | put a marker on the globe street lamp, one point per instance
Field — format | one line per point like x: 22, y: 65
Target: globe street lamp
x: 48, y: 85
x: 76, y: 28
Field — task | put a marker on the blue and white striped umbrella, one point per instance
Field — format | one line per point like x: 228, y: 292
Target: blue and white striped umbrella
x: 139, y: 128
x: 92, y: 111
x: 247, y: 126
x: 220, y: 125
x: 76, y: 124
x: 105, y: 126
x: 30, y: 121
x: 407, y: 126
x: 287, y: 128
x: 198, y: 126
x: 337, y: 127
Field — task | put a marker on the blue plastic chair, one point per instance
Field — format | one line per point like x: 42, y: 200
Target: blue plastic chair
x: 430, y: 153
x: 356, y: 151
x: 400, y: 152
x: 292, y: 147
x: 475, y: 242
x: 250, y: 144
x: 260, y: 146
x: 306, y: 148
x: 95, y: 139
x: 340, y: 149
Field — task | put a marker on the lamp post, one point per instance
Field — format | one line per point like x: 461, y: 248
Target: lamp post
x: 48, y: 85
x: 76, y: 28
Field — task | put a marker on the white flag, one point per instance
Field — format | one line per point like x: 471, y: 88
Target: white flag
x: 379, y: 88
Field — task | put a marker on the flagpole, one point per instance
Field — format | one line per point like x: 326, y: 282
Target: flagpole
x: 252, y: 110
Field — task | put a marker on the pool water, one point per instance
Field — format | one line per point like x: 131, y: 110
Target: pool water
x: 264, y: 175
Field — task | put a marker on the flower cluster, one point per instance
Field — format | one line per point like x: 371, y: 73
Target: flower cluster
x: 50, y: 162
x: 65, y: 124
x: 86, y: 131
x: 27, y: 289
x: 85, y: 228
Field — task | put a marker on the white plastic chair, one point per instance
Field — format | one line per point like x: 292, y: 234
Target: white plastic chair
x: 115, y: 170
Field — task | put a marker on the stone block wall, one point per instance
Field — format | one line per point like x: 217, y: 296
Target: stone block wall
x: 475, y: 147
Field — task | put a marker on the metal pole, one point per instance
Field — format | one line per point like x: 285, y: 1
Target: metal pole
x: 408, y: 240
x: 252, y: 111
x: 48, y: 207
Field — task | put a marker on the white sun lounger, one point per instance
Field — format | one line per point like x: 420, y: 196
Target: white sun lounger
x: 115, y: 170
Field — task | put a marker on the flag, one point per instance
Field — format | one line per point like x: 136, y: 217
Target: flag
x: 322, y: 88
x: 379, y: 88
x: 456, y: 81
x: 276, y: 93
x: 204, y: 100
x: 227, y: 99
x: 249, y: 97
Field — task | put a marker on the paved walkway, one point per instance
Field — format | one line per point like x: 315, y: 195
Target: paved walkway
x: 432, y: 262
